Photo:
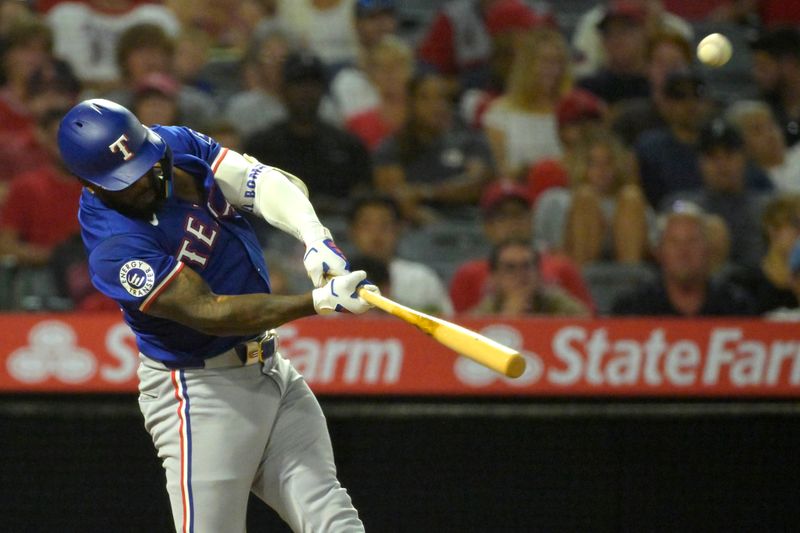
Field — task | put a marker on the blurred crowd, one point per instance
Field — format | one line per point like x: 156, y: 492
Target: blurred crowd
x: 562, y: 158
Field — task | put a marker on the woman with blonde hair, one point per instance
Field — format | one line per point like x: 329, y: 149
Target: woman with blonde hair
x: 521, y: 124
x: 603, y: 215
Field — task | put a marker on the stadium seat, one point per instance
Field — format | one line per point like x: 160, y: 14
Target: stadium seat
x: 444, y: 245
x: 607, y: 280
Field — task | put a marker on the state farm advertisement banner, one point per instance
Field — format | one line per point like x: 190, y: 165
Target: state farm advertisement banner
x: 349, y: 355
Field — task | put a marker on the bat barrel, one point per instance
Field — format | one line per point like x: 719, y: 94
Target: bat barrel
x: 466, y: 342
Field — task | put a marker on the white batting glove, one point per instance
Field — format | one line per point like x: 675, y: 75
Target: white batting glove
x: 323, y: 260
x: 340, y: 294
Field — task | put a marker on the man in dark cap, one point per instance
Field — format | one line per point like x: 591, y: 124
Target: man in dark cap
x: 332, y: 162
x: 625, y: 41
x: 724, y: 192
x: 667, y: 156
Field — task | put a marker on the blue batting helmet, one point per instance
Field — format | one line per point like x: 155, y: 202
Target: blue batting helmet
x: 106, y: 145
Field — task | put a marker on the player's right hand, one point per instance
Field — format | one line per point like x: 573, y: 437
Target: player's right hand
x: 323, y: 259
x: 340, y: 294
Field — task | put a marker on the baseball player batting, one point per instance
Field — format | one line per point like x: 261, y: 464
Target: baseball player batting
x: 160, y: 220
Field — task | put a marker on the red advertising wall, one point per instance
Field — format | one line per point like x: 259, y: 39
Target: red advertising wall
x: 365, y: 356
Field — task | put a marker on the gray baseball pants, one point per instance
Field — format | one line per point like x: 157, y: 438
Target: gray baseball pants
x: 224, y: 432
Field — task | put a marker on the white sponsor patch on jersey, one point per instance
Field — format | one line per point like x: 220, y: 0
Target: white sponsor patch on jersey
x: 137, y: 277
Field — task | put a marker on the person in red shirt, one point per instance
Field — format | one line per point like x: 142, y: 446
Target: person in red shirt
x: 507, y: 214
x: 458, y: 41
x: 41, y: 208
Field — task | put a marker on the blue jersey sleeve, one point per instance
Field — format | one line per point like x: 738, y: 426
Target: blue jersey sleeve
x: 132, y: 270
x: 187, y: 141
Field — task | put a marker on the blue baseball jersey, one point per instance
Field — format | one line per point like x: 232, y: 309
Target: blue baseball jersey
x: 133, y: 260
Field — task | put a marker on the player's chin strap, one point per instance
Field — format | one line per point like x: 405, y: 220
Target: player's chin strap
x: 164, y: 179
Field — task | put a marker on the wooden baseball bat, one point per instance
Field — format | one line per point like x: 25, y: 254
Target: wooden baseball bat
x: 466, y: 342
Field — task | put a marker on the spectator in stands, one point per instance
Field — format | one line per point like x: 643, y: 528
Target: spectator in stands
x: 228, y: 23
x: 517, y: 289
x: 587, y: 39
x: 192, y: 54
x: 155, y: 100
x: 624, y: 39
x: 579, y: 114
x: 457, y: 44
x: 87, y: 34
x: 666, y: 52
x: 325, y: 27
x: 42, y: 204
x: 777, y: 72
x: 521, y: 124
x: 667, y: 156
x: 765, y: 144
x: 770, y: 283
x: 764, y: 66
x: 146, y: 49
x: 603, y: 215
x: 431, y: 162
x: 260, y: 105
x: 72, y: 280
x: 724, y: 191
x: 12, y: 13
x: 374, y: 20
x: 506, y: 214
x: 26, y: 47
x: 226, y: 135
x: 334, y: 164
x: 374, y: 227
x: 790, y: 312
x: 684, y: 287
x: 389, y: 66
x: 507, y: 23
x: 52, y: 85
x: 353, y: 93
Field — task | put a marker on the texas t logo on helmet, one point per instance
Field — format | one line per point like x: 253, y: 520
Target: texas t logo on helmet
x: 120, y: 146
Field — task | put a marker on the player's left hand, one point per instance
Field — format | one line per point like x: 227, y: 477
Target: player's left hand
x: 323, y: 260
x: 340, y: 294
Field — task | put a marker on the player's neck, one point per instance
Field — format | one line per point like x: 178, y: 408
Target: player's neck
x: 185, y: 187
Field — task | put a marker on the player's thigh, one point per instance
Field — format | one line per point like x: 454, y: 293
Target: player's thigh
x: 210, y: 429
x: 297, y: 477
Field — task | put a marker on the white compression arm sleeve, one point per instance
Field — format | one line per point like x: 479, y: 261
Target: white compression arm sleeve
x: 276, y: 196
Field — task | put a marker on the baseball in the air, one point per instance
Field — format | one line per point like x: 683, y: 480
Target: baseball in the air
x: 714, y: 50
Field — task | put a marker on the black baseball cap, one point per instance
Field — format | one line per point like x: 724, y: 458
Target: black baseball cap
x: 303, y: 66
x: 719, y: 133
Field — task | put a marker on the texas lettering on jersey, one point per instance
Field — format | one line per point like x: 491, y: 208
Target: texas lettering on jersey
x: 198, y: 236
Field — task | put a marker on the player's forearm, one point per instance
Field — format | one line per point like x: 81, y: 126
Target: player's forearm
x: 250, y: 313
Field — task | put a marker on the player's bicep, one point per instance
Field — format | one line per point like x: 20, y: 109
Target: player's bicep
x: 186, y: 299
